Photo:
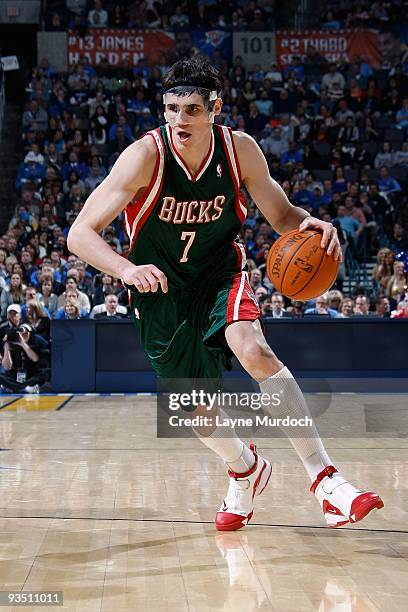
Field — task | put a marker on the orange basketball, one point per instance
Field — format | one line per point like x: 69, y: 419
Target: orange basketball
x: 298, y: 266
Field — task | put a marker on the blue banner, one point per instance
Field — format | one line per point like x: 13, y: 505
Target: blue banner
x: 206, y: 41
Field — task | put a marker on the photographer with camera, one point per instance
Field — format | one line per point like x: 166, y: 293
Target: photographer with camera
x: 24, y: 354
x: 13, y: 320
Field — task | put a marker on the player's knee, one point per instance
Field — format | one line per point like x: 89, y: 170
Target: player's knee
x: 255, y: 351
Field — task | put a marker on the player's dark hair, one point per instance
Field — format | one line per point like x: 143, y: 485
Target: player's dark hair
x: 195, y: 71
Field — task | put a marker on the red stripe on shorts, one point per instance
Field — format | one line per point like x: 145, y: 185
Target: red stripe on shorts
x: 242, y: 304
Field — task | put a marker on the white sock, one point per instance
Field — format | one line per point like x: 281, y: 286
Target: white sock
x: 238, y: 457
x: 310, y: 450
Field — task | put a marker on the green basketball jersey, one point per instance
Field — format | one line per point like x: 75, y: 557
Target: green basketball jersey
x: 186, y: 223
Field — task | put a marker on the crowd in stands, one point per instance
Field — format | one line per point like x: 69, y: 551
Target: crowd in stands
x: 256, y: 15
x: 334, y: 135
x: 82, y: 14
x: 363, y: 14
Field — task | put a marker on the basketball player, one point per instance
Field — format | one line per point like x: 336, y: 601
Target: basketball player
x: 180, y: 189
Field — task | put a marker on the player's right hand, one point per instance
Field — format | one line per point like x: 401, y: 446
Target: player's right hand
x: 146, y: 278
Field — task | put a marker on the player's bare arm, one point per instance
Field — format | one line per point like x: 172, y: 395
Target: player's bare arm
x: 272, y: 200
x: 128, y: 179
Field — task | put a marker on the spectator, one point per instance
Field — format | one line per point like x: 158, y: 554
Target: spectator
x: 71, y: 310
x: 378, y: 203
x: 22, y: 353
x: 295, y: 68
x: 274, y: 75
x: 111, y: 239
x: 38, y: 318
x: 27, y: 264
x: 72, y: 181
x: 354, y: 211
x: 265, y: 305
x: 12, y: 322
x: 339, y: 184
x: 30, y: 293
x: 362, y: 305
x: 335, y: 299
x: 278, y: 311
x: 361, y: 158
x: 255, y: 279
x: 296, y: 309
x: 97, y: 134
x: 385, y: 157
x: 35, y: 115
x: 14, y: 294
x: 76, y: 6
x: 98, y: 17
x: 399, y: 240
x: 401, y: 117
x: 402, y: 309
x: 251, y: 217
x: 30, y: 171
x: 346, y: 309
x: 94, y: 179
x: 105, y: 288
x: 302, y: 196
x: 387, y: 185
x: 334, y: 82
x: 398, y: 284
x: 47, y: 298
x: 263, y: 103
x: 330, y: 22
x: 260, y: 292
x: 349, y: 133
x: 401, y: 157
x: 369, y: 133
x: 71, y: 284
x: 383, y: 270
x: 382, y: 307
x: 274, y: 144
x: 120, y: 142
x: 111, y: 310
x: 314, y: 63
x: 73, y: 165
x: 120, y: 124
x: 322, y: 308
x: 254, y: 121
x: 293, y: 156
x: 179, y: 19
x: 348, y: 223
x: 82, y: 276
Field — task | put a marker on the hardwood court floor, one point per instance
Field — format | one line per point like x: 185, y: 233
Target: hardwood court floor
x: 93, y: 504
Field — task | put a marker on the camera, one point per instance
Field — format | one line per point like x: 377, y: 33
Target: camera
x: 13, y: 334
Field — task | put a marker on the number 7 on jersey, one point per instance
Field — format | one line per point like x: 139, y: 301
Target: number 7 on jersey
x: 184, y: 236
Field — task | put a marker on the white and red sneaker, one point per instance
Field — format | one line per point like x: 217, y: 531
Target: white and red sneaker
x: 238, y: 506
x: 340, y: 501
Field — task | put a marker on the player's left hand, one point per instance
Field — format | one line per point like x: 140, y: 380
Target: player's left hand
x: 330, y: 240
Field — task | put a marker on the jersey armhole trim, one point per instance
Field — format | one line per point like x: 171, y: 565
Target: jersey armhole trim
x: 137, y: 215
x: 153, y: 179
x: 236, y: 156
x: 227, y: 143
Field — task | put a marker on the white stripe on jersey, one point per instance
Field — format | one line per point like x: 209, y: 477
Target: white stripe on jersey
x: 155, y: 189
x: 230, y: 148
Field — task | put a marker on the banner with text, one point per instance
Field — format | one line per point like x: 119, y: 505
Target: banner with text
x: 332, y: 44
x: 255, y: 48
x: 118, y: 45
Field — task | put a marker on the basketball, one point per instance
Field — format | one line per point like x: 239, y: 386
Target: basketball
x: 298, y: 266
